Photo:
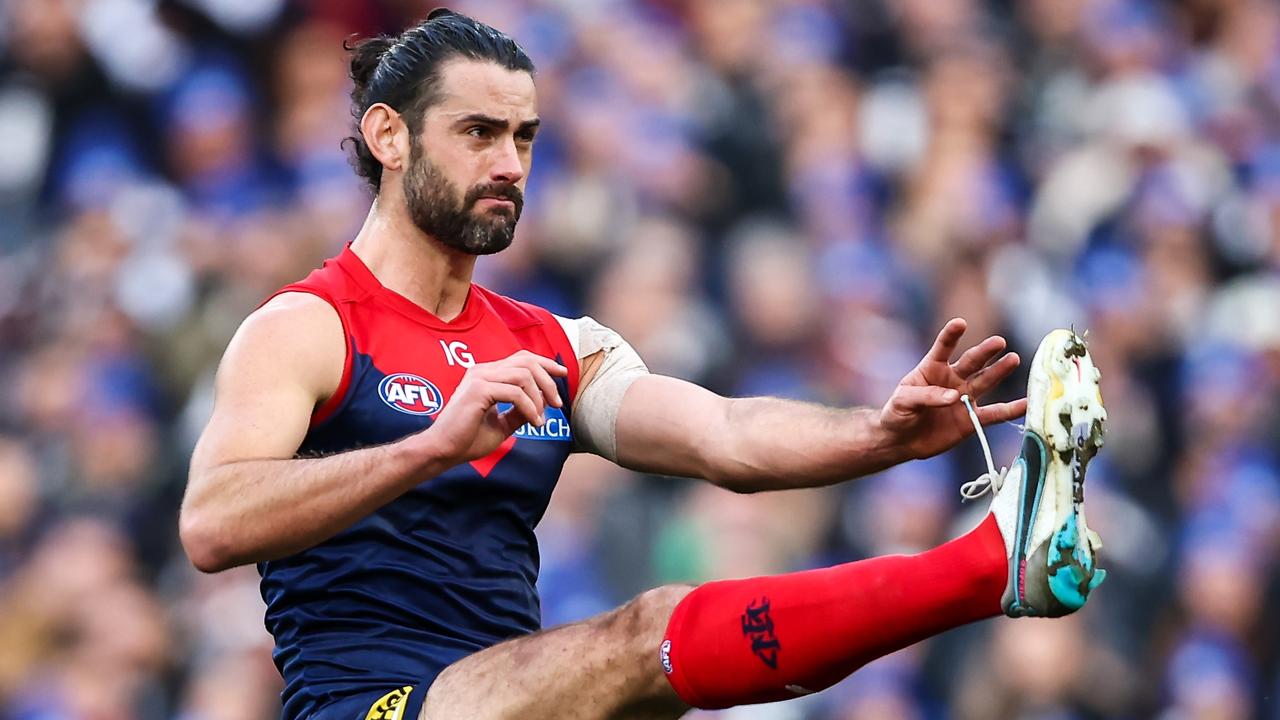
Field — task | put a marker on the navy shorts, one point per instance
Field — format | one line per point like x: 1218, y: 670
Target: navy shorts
x: 402, y: 703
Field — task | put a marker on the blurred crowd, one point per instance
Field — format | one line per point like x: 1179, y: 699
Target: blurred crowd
x: 784, y: 197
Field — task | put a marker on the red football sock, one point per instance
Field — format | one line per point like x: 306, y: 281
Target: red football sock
x: 763, y: 639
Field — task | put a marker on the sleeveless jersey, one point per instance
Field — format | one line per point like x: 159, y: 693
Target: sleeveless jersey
x: 449, y: 567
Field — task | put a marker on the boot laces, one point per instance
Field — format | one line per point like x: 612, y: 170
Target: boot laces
x: 991, y: 480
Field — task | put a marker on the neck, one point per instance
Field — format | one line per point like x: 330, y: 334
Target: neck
x: 411, y: 263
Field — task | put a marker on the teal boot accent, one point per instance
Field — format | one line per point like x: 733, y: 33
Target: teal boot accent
x: 1098, y: 576
x: 1070, y: 575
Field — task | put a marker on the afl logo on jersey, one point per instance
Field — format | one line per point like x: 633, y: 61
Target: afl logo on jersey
x: 410, y: 394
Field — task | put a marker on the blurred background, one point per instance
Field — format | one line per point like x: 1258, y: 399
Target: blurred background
x: 782, y: 197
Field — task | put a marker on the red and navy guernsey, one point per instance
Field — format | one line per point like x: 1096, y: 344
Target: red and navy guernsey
x: 449, y: 567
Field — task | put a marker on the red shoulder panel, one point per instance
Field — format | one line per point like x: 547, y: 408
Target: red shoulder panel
x: 331, y: 284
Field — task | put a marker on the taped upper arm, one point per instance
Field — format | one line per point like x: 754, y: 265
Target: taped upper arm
x: 608, y: 366
x: 285, y: 359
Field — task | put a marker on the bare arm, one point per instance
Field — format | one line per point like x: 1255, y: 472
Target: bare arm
x: 673, y: 427
x: 752, y: 444
x: 249, y: 499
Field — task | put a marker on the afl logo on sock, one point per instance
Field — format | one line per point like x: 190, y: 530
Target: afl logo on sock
x: 410, y: 394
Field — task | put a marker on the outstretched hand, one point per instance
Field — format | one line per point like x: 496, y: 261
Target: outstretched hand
x: 924, y: 416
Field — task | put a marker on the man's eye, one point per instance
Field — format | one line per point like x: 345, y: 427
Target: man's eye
x: 478, y: 131
x: 524, y: 137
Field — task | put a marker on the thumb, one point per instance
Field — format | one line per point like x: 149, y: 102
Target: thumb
x: 914, y: 397
x: 509, y: 420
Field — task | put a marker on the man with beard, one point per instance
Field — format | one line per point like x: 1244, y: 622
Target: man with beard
x: 386, y: 434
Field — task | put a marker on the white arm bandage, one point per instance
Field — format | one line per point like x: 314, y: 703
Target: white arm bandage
x: 595, y: 410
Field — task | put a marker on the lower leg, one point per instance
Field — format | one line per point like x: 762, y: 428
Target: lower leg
x: 604, y: 668
x: 765, y: 639
x: 728, y: 643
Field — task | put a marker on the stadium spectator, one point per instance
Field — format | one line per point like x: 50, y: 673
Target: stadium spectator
x: 873, y: 165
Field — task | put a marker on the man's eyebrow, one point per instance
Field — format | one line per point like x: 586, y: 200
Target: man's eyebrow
x: 496, y: 123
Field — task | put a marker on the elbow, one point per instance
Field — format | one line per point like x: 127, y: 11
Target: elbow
x: 204, y: 540
x: 724, y: 460
x: 738, y: 487
x: 734, y: 478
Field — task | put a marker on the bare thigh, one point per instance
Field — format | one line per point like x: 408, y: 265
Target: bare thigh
x: 603, y: 668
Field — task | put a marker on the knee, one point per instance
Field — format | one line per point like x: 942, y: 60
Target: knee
x: 644, y: 619
x: 661, y: 601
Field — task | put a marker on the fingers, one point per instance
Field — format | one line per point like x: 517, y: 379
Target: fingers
x: 547, y: 385
x: 510, y: 420
x: 551, y: 366
x: 945, y: 344
x: 523, y: 407
x: 993, y: 375
x: 976, y: 357
x: 544, y: 370
x: 910, y: 397
x: 525, y: 380
x: 543, y: 386
x: 522, y: 378
x: 1002, y: 412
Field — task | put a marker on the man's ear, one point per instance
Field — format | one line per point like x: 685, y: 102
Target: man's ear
x: 386, y: 135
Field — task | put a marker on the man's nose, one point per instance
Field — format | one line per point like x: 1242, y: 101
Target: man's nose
x: 506, y: 163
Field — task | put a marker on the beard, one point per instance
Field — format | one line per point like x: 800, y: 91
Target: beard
x: 435, y: 208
